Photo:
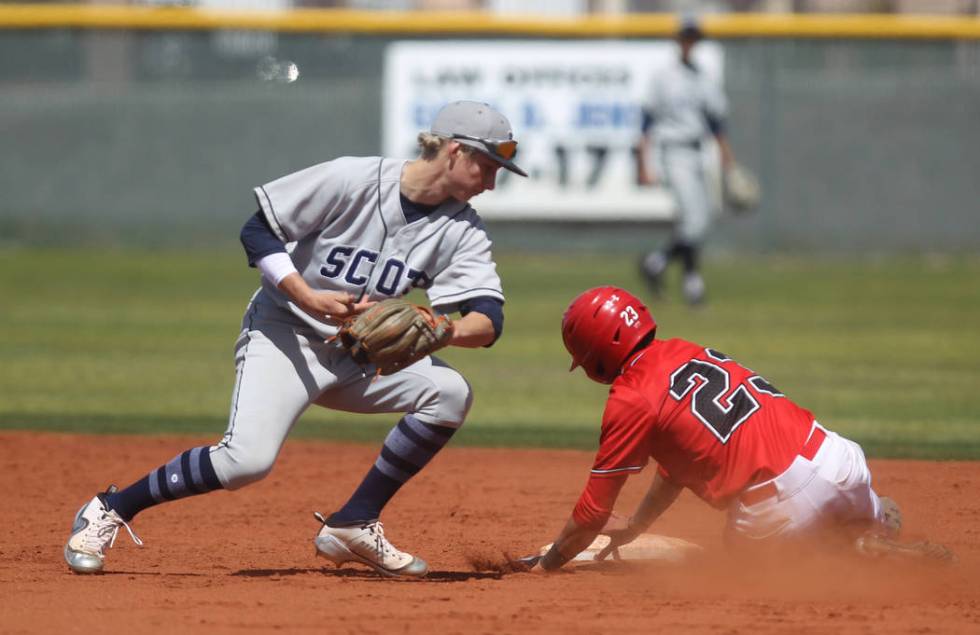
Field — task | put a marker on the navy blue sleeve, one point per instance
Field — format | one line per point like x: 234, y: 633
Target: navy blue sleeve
x: 647, y: 122
x: 259, y: 240
x: 490, y: 307
x: 715, y: 125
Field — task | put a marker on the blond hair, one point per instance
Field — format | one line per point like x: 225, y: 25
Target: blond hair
x: 430, y: 145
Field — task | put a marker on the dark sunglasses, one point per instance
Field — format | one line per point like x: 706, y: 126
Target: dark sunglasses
x: 503, y: 149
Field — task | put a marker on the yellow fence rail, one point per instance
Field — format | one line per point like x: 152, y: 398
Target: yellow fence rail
x: 48, y: 16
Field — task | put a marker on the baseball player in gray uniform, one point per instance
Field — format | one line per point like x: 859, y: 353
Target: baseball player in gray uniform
x: 684, y: 106
x: 330, y: 241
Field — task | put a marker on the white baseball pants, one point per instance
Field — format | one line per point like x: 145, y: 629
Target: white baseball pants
x: 832, y: 489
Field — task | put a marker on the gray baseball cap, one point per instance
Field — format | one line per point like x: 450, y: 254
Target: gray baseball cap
x: 479, y: 126
x: 689, y: 29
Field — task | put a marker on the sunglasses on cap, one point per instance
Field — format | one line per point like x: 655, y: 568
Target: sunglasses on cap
x: 503, y: 149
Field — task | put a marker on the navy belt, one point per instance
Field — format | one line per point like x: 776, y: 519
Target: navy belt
x: 691, y: 145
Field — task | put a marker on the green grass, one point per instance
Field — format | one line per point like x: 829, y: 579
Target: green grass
x: 883, y: 351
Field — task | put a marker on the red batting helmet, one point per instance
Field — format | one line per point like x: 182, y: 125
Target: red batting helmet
x: 602, y: 327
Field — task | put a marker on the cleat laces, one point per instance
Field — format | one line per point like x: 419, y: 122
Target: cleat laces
x: 381, y: 545
x: 102, y: 533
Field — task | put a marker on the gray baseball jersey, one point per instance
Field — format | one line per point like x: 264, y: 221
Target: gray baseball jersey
x: 345, y: 231
x: 681, y: 100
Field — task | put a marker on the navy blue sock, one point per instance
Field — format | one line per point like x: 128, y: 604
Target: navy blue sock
x: 367, y: 501
x: 132, y: 500
x: 407, y: 449
x: 187, y: 474
x: 687, y: 253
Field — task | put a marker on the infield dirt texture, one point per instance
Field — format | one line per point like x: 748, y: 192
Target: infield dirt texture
x: 243, y: 562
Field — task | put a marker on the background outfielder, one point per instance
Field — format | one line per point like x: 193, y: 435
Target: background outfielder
x: 717, y: 428
x: 331, y: 240
x: 684, y: 106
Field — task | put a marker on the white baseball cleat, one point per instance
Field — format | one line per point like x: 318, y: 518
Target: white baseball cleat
x: 366, y: 544
x: 652, y: 269
x: 93, y: 531
x: 693, y: 288
x: 891, y: 517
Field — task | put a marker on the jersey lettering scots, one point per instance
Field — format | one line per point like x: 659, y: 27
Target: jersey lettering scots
x: 346, y: 231
x: 711, y: 424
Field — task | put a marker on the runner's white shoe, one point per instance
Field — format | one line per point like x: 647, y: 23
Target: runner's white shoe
x: 366, y: 544
x: 891, y: 517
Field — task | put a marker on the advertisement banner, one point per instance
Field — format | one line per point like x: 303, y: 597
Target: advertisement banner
x: 576, y: 111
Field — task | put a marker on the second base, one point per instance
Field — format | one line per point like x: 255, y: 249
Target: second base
x: 645, y: 547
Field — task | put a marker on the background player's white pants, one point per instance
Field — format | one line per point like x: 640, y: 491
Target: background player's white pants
x: 283, y: 366
x: 832, y: 489
x: 682, y: 170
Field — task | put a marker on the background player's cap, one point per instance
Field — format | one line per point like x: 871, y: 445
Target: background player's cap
x: 689, y: 29
x: 479, y: 126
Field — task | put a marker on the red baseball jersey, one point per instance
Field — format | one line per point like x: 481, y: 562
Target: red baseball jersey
x: 711, y: 424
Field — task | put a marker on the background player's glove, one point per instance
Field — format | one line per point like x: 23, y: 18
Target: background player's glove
x: 742, y: 191
x: 394, y: 334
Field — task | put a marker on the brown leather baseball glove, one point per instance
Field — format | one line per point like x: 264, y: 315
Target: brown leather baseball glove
x: 394, y: 334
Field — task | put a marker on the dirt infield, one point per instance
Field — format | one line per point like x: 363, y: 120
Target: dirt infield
x: 243, y: 561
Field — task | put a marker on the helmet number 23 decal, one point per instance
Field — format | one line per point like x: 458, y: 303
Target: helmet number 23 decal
x: 629, y: 315
x: 719, y: 408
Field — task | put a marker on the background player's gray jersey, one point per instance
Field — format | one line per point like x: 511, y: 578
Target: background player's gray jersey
x: 680, y: 99
x: 345, y: 230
